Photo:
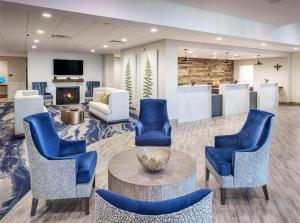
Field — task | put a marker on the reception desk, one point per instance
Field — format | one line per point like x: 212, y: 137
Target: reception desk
x: 194, y: 103
x: 267, y: 95
x: 236, y: 98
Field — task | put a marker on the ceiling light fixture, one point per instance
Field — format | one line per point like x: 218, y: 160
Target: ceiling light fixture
x: 33, y: 47
x: 236, y: 55
x: 254, y: 56
x: 258, y: 63
x: 263, y: 44
x: 190, y: 51
x: 40, y: 31
x: 36, y: 41
x: 47, y: 15
x: 105, y: 46
x: 296, y: 48
x: 92, y: 51
x: 219, y: 38
x: 215, y: 54
x: 194, y: 55
x: 153, y: 30
x: 214, y: 57
x: 124, y: 40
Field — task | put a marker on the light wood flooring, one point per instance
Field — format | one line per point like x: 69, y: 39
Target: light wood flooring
x: 242, y: 205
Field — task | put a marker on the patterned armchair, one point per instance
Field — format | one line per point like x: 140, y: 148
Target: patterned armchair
x: 242, y: 159
x: 153, y: 127
x: 195, y: 207
x: 59, y: 168
x: 41, y: 87
x: 90, y: 85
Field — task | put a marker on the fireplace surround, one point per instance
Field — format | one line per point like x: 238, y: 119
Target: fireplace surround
x: 67, y: 95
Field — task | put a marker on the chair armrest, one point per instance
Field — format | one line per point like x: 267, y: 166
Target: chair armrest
x: 139, y: 128
x: 167, y: 128
x: 227, y: 141
x: 68, y: 147
x: 47, y: 93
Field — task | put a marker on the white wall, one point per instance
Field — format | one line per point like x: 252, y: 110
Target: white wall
x: 295, y: 77
x: 40, y: 68
x: 268, y: 71
x: 117, y: 72
x: 108, y: 70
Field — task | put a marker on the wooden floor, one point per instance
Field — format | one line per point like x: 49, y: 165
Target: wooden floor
x: 243, y: 205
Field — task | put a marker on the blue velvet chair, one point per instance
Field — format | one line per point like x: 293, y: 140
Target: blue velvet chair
x: 115, y: 208
x: 90, y: 85
x: 59, y: 168
x: 242, y: 159
x: 153, y: 127
x: 41, y: 87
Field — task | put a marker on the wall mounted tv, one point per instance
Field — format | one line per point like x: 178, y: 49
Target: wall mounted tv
x: 68, y: 67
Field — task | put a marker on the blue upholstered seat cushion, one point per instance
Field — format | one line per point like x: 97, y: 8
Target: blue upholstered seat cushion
x: 88, y: 94
x: 48, y: 97
x: 152, y: 208
x: 86, y: 164
x: 153, y: 138
x: 220, y: 159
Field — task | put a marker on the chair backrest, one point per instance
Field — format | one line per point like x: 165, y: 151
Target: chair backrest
x: 152, y: 208
x: 90, y: 85
x: 40, y: 86
x: 44, y: 134
x: 256, y: 128
x: 153, y: 113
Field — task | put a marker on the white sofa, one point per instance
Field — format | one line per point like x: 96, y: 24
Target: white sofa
x: 27, y: 102
x: 117, y: 109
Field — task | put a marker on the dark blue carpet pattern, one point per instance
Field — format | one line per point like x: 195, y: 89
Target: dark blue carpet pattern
x: 14, y: 174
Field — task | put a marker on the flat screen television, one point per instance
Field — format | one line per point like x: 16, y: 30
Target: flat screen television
x: 68, y: 67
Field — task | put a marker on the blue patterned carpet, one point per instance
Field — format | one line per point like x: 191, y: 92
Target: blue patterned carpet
x: 14, y: 174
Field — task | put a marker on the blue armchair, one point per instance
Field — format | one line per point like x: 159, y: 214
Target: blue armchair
x: 153, y: 127
x: 59, y: 168
x: 41, y: 87
x: 90, y: 85
x: 242, y: 159
x: 194, y: 207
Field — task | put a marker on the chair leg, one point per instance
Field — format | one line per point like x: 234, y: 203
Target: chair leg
x: 265, y: 189
x: 223, y: 195
x: 87, y: 205
x: 94, y: 182
x: 206, y: 174
x: 33, y: 206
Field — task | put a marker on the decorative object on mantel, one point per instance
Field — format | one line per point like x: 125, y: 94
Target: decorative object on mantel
x: 55, y: 80
x: 258, y: 63
x: 266, y: 80
x: 186, y: 60
x: 235, y: 81
x: 226, y: 61
x: 278, y: 66
x: 153, y: 158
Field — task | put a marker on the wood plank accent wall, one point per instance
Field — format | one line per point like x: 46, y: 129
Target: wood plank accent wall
x: 204, y: 71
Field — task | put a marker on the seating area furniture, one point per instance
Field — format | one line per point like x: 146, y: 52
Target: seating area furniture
x: 90, y: 85
x: 41, y: 87
x: 73, y: 116
x: 241, y: 160
x: 116, y: 109
x: 27, y: 102
x: 153, y: 127
x: 194, y: 207
x: 59, y: 168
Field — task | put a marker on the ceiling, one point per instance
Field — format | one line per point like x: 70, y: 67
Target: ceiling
x: 219, y: 55
x: 278, y: 12
x: 88, y: 32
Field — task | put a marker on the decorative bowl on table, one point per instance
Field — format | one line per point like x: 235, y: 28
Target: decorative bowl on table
x: 153, y: 158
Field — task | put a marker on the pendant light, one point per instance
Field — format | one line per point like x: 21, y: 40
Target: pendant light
x: 258, y: 63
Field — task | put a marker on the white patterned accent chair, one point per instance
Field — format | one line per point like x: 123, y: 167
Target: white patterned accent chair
x: 27, y: 102
x: 59, y: 169
x: 242, y: 160
x: 117, y: 107
x: 115, y: 208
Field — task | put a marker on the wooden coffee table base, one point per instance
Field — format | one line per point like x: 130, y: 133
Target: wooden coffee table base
x: 126, y: 176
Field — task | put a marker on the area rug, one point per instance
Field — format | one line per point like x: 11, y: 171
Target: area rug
x: 14, y: 174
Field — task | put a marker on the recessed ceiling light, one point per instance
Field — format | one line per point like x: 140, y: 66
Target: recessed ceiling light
x: 153, y: 30
x: 254, y: 56
x: 236, y: 55
x: 215, y: 54
x: 92, y: 51
x: 33, y: 47
x: 232, y: 58
x: 36, y: 41
x: 296, y: 48
x: 263, y: 44
x: 190, y: 51
x: 219, y: 38
x: 194, y: 55
x: 40, y: 31
x: 214, y: 57
x: 105, y: 46
x: 124, y: 40
x: 47, y: 15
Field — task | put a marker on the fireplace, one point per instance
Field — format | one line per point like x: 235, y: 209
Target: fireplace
x: 67, y: 95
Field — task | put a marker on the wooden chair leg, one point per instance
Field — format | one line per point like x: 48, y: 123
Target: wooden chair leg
x: 265, y: 189
x: 223, y: 195
x: 33, y: 206
x: 206, y: 174
x: 87, y: 205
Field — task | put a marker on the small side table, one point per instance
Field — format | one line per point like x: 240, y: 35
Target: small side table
x: 72, y: 116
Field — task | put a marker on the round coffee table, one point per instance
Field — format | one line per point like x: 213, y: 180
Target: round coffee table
x: 126, y: 176
x: 72, y: 116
